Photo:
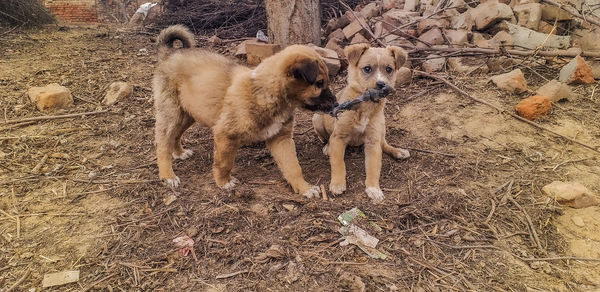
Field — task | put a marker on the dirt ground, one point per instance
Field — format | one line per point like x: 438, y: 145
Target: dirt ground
x: 83, y: 194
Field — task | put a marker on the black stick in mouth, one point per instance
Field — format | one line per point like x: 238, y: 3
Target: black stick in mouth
x: 371, y: 94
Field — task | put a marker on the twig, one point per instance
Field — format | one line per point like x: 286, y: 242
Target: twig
x: 536, y: 239
x: 18, y: 282
x: 559, y: 259
x: 98, y: 282
x: 44, y: 118
x: 489, y: 217
x: 504, y: 111
x: 372, y: 94
x: 570, y: 161
x: 324, y: 192
x: 225, y: 276
x: 429, y: 151
x: 554, y: 53
x: 574, y: 12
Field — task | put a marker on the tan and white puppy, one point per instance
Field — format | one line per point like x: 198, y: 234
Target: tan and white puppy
x: 240, y: 105
x: 368, y: 68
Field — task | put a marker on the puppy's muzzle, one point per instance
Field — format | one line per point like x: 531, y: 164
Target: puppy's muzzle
x: 384, y: 90
x: 322, y: 103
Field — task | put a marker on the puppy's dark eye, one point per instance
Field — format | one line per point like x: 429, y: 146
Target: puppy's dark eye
x: 367, y: 69
x: 320, y: 84
x: 389, y: 70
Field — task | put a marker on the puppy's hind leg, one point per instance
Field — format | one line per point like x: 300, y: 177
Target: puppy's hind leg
x: 397, y: 153
x: 179, y: 152
x: 168, y: 126
x: 319, y: 126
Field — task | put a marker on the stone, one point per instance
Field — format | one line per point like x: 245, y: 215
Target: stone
x: 343, y: 20
x: 432, y: 37
x: 117, y: 91
x: 546, y: 28
x: 434, y: 63
x: 500, y: 63
x: 513, y: 81
x: 519, y: 2
x: 411, y: 5
x: 50, y: 97
x: 370, y: 10
x: 555, y: 90
x: 578, y: 221
x: 551, y: 12
x: 215, y: 40
x: 353, y: 28
x: 396, y: 17
x: 257, y: 51
x: 478, y: 37
x: 576, y: 72
x: 466, y: 65
x: 529, y: 39
x: 501, y: 1
x: 332, y: 25
x: 358, y: 39
x: 337, y: 34
x: 429, y: 23
x: 378, y: 29
x: 572, y: 194
x: 587, y: 39
x: 502, y: 38
x: 403, y: 77
x: 330, y: 57
x: 461, y: 5
x: 596, y: 69
x: 335, y: 46
x: 241, y: 48
x: 534, y: 107
x: 457, y: 37
x: 489, y: 13
x: 463, y: 21
x: 391, y: 4
x: 528, y: 15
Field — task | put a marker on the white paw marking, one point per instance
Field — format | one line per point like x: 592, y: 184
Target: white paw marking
x: 402, y: 154
x: 231, y: 184
x: 375, y: 194
x: 185, y: 155
x: 173, y: 182
x: 312, y: 192
x: 337, y: 189
x: 326, y: 149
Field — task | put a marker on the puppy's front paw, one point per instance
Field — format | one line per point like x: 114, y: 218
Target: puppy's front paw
x: 375, y: 194
x: 312, y: 192
x: 230, y: 184
x: 401, y: 153
x: 185, y: 155
x: 173, y: 182
x: 337, y: 189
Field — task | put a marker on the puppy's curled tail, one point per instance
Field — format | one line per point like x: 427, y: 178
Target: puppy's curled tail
x: 170, y: 34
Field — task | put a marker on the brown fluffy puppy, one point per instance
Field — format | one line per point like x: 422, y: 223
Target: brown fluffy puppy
x: 368, y: 68
x: 240, y: 105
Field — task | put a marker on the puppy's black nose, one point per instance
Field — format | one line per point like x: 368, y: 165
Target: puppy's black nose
x: 380, y: 84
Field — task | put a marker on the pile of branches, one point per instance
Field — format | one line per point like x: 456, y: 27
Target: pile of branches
x: 229, y: 18
x: 25, y: 13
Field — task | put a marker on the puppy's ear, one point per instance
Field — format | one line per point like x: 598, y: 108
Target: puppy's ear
x: 354, y: 52
x: 306, y: 69
x: 399, y: 55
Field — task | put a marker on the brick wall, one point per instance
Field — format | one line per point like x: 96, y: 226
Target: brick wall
x: 73, y: 10
x: 89, y: 10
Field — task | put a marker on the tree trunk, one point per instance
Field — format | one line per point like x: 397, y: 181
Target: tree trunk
x: 294, y: 21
